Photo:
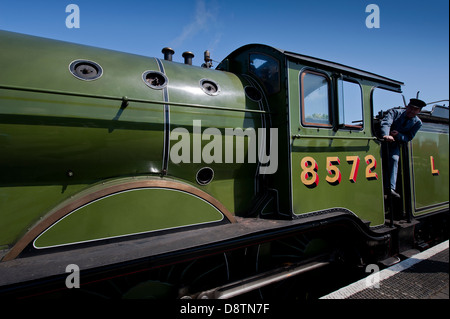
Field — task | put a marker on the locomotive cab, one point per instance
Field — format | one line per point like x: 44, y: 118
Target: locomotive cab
x: 330, y: 152
x: 322, y: 111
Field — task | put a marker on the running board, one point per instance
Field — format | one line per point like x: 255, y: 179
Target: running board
x: 258, y: 281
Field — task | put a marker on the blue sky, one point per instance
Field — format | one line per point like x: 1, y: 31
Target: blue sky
x: 411, y: 45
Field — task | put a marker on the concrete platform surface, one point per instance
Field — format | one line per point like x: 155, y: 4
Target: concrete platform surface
x: 423, y: 276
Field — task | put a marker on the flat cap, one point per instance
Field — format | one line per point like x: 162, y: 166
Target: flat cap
x: 417, y: 103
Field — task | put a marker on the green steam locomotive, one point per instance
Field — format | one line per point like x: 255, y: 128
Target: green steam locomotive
x: 168, y: 180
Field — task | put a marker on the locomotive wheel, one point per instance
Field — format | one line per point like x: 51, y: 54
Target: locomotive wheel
x: 166, y: 282
x: 177, y: 281
x: 286, y: 252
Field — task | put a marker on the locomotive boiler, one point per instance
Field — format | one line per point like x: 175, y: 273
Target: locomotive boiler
x: 168, y: 180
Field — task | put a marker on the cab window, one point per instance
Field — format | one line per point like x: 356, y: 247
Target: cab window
x: 267, y: 70
x: 383, y: 100
x: 350, y: 104
x: 315, y: 99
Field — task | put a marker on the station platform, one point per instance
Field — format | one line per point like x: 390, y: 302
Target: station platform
x: 422, y: 276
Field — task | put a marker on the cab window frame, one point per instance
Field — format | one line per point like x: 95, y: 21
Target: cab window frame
x: 271, y: 87
x: 341, y: 109
x: 303, y: 120
x: 387, y: 91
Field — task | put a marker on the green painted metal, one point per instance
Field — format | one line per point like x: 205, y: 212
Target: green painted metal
x: 63, y: 138
x: 23, y: 206
x: 125, y: 98
x: 234, y: 183
x: 60, y: 135
x: 238, y: 62
x: 362, y: 196
x: 129, y: 212
x: 430, y: 178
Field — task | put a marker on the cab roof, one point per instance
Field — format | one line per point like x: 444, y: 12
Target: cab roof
x: 321, y: 63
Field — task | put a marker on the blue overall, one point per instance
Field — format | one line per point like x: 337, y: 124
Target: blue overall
x: 396, y: 119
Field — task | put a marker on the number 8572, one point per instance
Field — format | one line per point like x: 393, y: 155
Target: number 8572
x: 310, y: 176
